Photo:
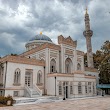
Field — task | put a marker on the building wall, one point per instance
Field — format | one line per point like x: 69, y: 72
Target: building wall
x: 74, y: 80
x: 11, y: 67
x: 96, y: 74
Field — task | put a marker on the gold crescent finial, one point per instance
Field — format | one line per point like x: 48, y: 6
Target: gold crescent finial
x: 86, y: 7
x: 40, y: 32
x: 86, y: 10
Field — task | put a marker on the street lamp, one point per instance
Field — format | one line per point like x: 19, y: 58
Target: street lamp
x: 64, y: 91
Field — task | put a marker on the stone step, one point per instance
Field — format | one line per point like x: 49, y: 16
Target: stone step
x: 24, y: 101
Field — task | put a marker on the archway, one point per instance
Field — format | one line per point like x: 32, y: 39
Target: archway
x: 52, y: 66
x: 68, y: 65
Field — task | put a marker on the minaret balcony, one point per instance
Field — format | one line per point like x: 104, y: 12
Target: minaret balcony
x: 88, y: 33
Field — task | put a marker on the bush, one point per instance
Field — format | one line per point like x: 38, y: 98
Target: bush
x: 4, y: 100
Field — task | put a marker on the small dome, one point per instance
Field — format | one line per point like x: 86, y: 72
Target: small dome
x: 41, y: 37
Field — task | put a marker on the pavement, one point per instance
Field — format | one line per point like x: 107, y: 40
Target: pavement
x: 96, y: 103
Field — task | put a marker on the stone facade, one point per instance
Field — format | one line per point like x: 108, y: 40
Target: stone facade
x: 49, y: 69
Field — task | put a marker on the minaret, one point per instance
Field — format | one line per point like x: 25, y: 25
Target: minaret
x: 88, y: 34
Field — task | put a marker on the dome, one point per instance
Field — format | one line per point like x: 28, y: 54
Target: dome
x: 37, y: 41
x: 41, y: 37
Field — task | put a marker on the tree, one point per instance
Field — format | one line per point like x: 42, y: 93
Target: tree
x: 104, y: 70
x: 102, y: 62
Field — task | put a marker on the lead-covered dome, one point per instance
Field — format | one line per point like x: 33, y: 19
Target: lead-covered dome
x: 37, y: 40
x: 41, y: 37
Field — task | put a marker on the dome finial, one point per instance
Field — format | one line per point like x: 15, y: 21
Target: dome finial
x: 86, y: 7
x: 40, y: 33
x: 86, y: 10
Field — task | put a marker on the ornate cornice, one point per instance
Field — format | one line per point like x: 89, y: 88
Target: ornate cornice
x: 91, y: 69
x: 67, y: 41
x: 80, y: 53
x: 69, y: 52
x: 90, y: 77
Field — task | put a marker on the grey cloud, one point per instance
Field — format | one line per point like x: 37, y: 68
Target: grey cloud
x: 53, y: 17
x: 11, y: 3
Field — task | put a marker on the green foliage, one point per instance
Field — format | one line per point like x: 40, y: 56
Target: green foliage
x: 104, y: 70
x: 102, y: 62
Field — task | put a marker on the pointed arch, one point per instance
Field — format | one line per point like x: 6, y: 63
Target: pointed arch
x: 52, y: 66
x: 17, y: 75
x: 39, y: 77
x: 68, y: 65
x: 78, y: 66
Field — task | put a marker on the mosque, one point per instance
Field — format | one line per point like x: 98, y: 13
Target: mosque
x: 50, y: 69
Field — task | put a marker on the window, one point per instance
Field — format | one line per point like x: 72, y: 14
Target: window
x: 89, y: 87
x: 79, y: 88
x: 78, y: 66
x: 39, y: 77
x: 68, y: 65
x: 86, y: 88
x: 71, y: 88
x: 52, y: 66
x: 60, y: 88
x: 16, y: 93
x: 17, y: 75
x: 1, y: 92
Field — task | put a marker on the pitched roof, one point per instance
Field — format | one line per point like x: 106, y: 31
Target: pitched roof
x: 22, y: 60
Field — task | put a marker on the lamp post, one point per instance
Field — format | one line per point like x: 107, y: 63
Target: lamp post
x: 55, y: 85
x: 64, y: 90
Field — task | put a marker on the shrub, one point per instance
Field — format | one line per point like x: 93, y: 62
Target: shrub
x: 3, y: 100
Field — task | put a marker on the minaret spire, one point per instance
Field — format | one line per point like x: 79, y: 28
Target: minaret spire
x: 88, y: 34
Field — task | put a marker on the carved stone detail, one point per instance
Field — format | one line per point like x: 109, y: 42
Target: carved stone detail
x: 67, y: 41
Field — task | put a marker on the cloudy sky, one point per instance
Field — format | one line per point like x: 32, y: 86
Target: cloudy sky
x: 20, y: 20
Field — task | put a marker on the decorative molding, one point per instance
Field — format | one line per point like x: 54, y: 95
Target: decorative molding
x: 80, y: 53
x: 79, y: 60
x: 91, y: 77
x: 91, y: 69
x: 52, y: 54
x: 68, y: 51
x: 67, y: 41
x: 79, y: 72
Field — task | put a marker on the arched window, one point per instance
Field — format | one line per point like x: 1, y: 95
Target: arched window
x: 79, y: 88
x: 68, y: 65
x: 78, y: 66
x: 52, y: 66
x: 39, y: 77
x: 17, y: 75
